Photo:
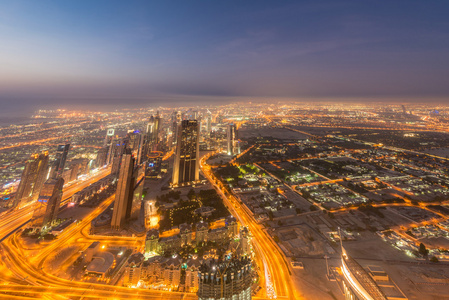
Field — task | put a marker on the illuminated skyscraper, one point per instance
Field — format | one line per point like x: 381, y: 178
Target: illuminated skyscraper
x: 102, y: 157
x: 109, y: 137
x: 48, y: 203
x: 33, y: 177
x: 124, y: 194
x: 150, y: 129
x: 59, y: 163
x: 231, y: 139
x: 208, y: 122
x: 157, y: 127
x: 128, y: 198
x: 186, y: 166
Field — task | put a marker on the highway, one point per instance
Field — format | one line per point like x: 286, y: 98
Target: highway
x: 15, y: 218
x: 277, y: 276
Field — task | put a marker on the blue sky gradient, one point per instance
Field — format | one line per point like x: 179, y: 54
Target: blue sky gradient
x: 105, y: 51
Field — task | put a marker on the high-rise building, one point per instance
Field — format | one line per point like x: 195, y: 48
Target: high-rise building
x: 102, y: 157
x: 33, y: 177
x: 150, y: 129
x: 109, y: 137
x: 59, y: 163
x: 208, y: 122
x: 157, y: 127
x: 124, y: 194
x: 225, y: 280
x: 129, y: 192
x: 186, y: 166
x: 48, y: 202
x: 231, y: 139
x: 116, y: 150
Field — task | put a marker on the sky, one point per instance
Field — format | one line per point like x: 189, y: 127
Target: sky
x: 107, y: 52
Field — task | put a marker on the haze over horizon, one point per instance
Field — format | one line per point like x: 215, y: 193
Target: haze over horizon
x: 111, y: 53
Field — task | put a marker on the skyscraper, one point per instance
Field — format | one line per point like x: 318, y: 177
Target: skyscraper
x: 208, y: 122
x: 231, y: 139
x: 124, y: 194
x: 109, y: 137
x: 129, y: 192
x: 33, y: 177
x: 102, y: 157
x: 48, y: 203
x: 59, y: 163
x: 157, y: 127
x: 150, y: 129
x: 186, y: 166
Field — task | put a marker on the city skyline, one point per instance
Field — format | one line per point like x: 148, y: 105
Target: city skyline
x: 224, y: 150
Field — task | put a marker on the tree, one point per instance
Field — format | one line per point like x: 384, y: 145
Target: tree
x: 434, y: 259
x: 191, y: 194
x: 422, y: 250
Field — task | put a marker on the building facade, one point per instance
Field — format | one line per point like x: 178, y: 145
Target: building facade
x: 225, y: 280
x: 33, y: 177
x: 48, y: 202
x: 186, y: 166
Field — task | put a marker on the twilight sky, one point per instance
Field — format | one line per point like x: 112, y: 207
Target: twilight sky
x: 109, y: 51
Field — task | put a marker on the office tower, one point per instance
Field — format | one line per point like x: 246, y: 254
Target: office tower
x: 48, y: 203
x: 141, y: 154
x: 59, y: 163
x: 231, y: 139
x: 175, y: 121
x: 33, y: 177
x: 404, y: 110
x: 116, y: 151
x: 109, y: 137
x: 102, y: 157
x: 150, y: 129
x: 186, y: 166
x: 157, y: 127
x: 124, y: 194
x: 208, y: 122
x: 225, y: 280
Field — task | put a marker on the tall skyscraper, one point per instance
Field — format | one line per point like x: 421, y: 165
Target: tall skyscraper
x: 225, y: 280
x: 59, y: 163
x: 33, y: 177
x: 102, y: 157
x: 48, y: 203
x: 231, y: 139
x: 124, y: 194
x: 129, y: 192
x: 109, y: 137
x: 186, y: 166
x: 116, y: 151
x: 150, y: 129
x: 157, y: 127
x: 208, y: 122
